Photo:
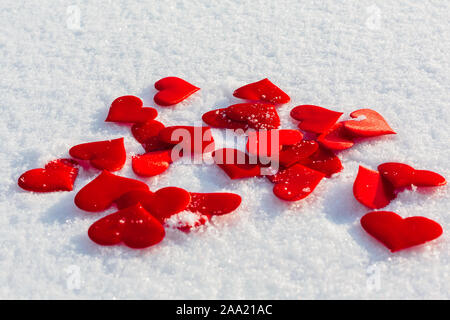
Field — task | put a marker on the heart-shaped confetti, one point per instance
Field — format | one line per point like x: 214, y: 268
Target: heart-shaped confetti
x: 133, y: 226
x: 152, y: 163
x: 258, y: 116
x: 129, y: 109
x: 57, y: 175
x: 290, y: 155
x: 142, y: 132
x: 268, y: 143
x: 372, y: 124
x: 104, y: 155
x: 371, y: 189
x: 397, y: 233
x: 161, y: 204
x: 401, y: 175
x: 214, y: 204
x: 173, y: 90
x: 218, y: 119
x: 101, y: 192
x: 324, y: 161
x: 236, y: 164
x: 296, y: 182
x: 336, y: 138
x: 262, y: 90
x: 314, y: 118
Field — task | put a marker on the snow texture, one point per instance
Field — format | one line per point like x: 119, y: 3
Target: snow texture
x: 63, y: 63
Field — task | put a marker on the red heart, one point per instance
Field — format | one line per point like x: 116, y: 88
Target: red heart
x: 58, y: 175
x: 263, y: 90
x: 336, y: 138
x: 236, y: 164
x: 212, y: 204
x: 133, y: 226
x: 314, y: 118
x: 290, y: 155
x: 101, y: 192
x: 161, y: 204
x: 397, y: 233
x: 373, y: 124
x: 173, y: 90
x: 205, y: 205
x: 258, y: 116
x: 190, y: 139
x: 152, y: 163
x: 296, y: 182
x: 142, y: 132
x: 218, y: 119
x: 108, y: 155
x: 402, y: 175
x: 324, y: 161
x: 129, y: 109
x: 268, y: 143
x: 371, y: 190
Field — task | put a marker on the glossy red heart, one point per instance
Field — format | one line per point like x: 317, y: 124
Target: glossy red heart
x: 401, y: 175
x: 161, y: 204
x: 142, y: 132
x: 213, y: 204
x: 314, y: 118
x: 372, y: 125
x: 236, y: 164
x: 173, y: 90
x: 129, y: 109
x: 258, y: 116
x: 190, y: 139
x: 262, y: 90
x: 324, y: 161
x: 397, y: 233
x: 218, y: 119
x: 206, y: 205
x: 296, y: 182
x: 104, y: 155
x: 336, y: 138
x: 133, y: 226
x: 152, y: 163
x: 101, y: 192
x: 57, y: 175
x: 292, y: 154
x: 371, y: 190
x: 268, y: 143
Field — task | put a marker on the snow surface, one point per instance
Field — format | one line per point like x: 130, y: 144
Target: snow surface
x: 58, y: 81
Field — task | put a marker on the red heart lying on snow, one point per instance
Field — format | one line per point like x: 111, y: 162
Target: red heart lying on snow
x: 324, y: 161
x: 296, y: 182
x: 189, y: 139
x: 258, y: 116
x: 133, y: 226
x: 371, y: 189
x: 236, y: 164
x: 104, y: 155
x: 402, y: 175
x: 314, y: 118
x: 58, y: 175
x: 336, y: 138
x: 129, y: 109
x: 101, y: 192
x: 152, y: 163
x: 267, y: 143
x: 173, y: 90
x: 292, y: 154
x: 372, y: 125
x: 263, y: 90
x: 161, y: 204
x: 397, y: 233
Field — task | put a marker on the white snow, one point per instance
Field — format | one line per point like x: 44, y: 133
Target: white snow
x: 58, y: 81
